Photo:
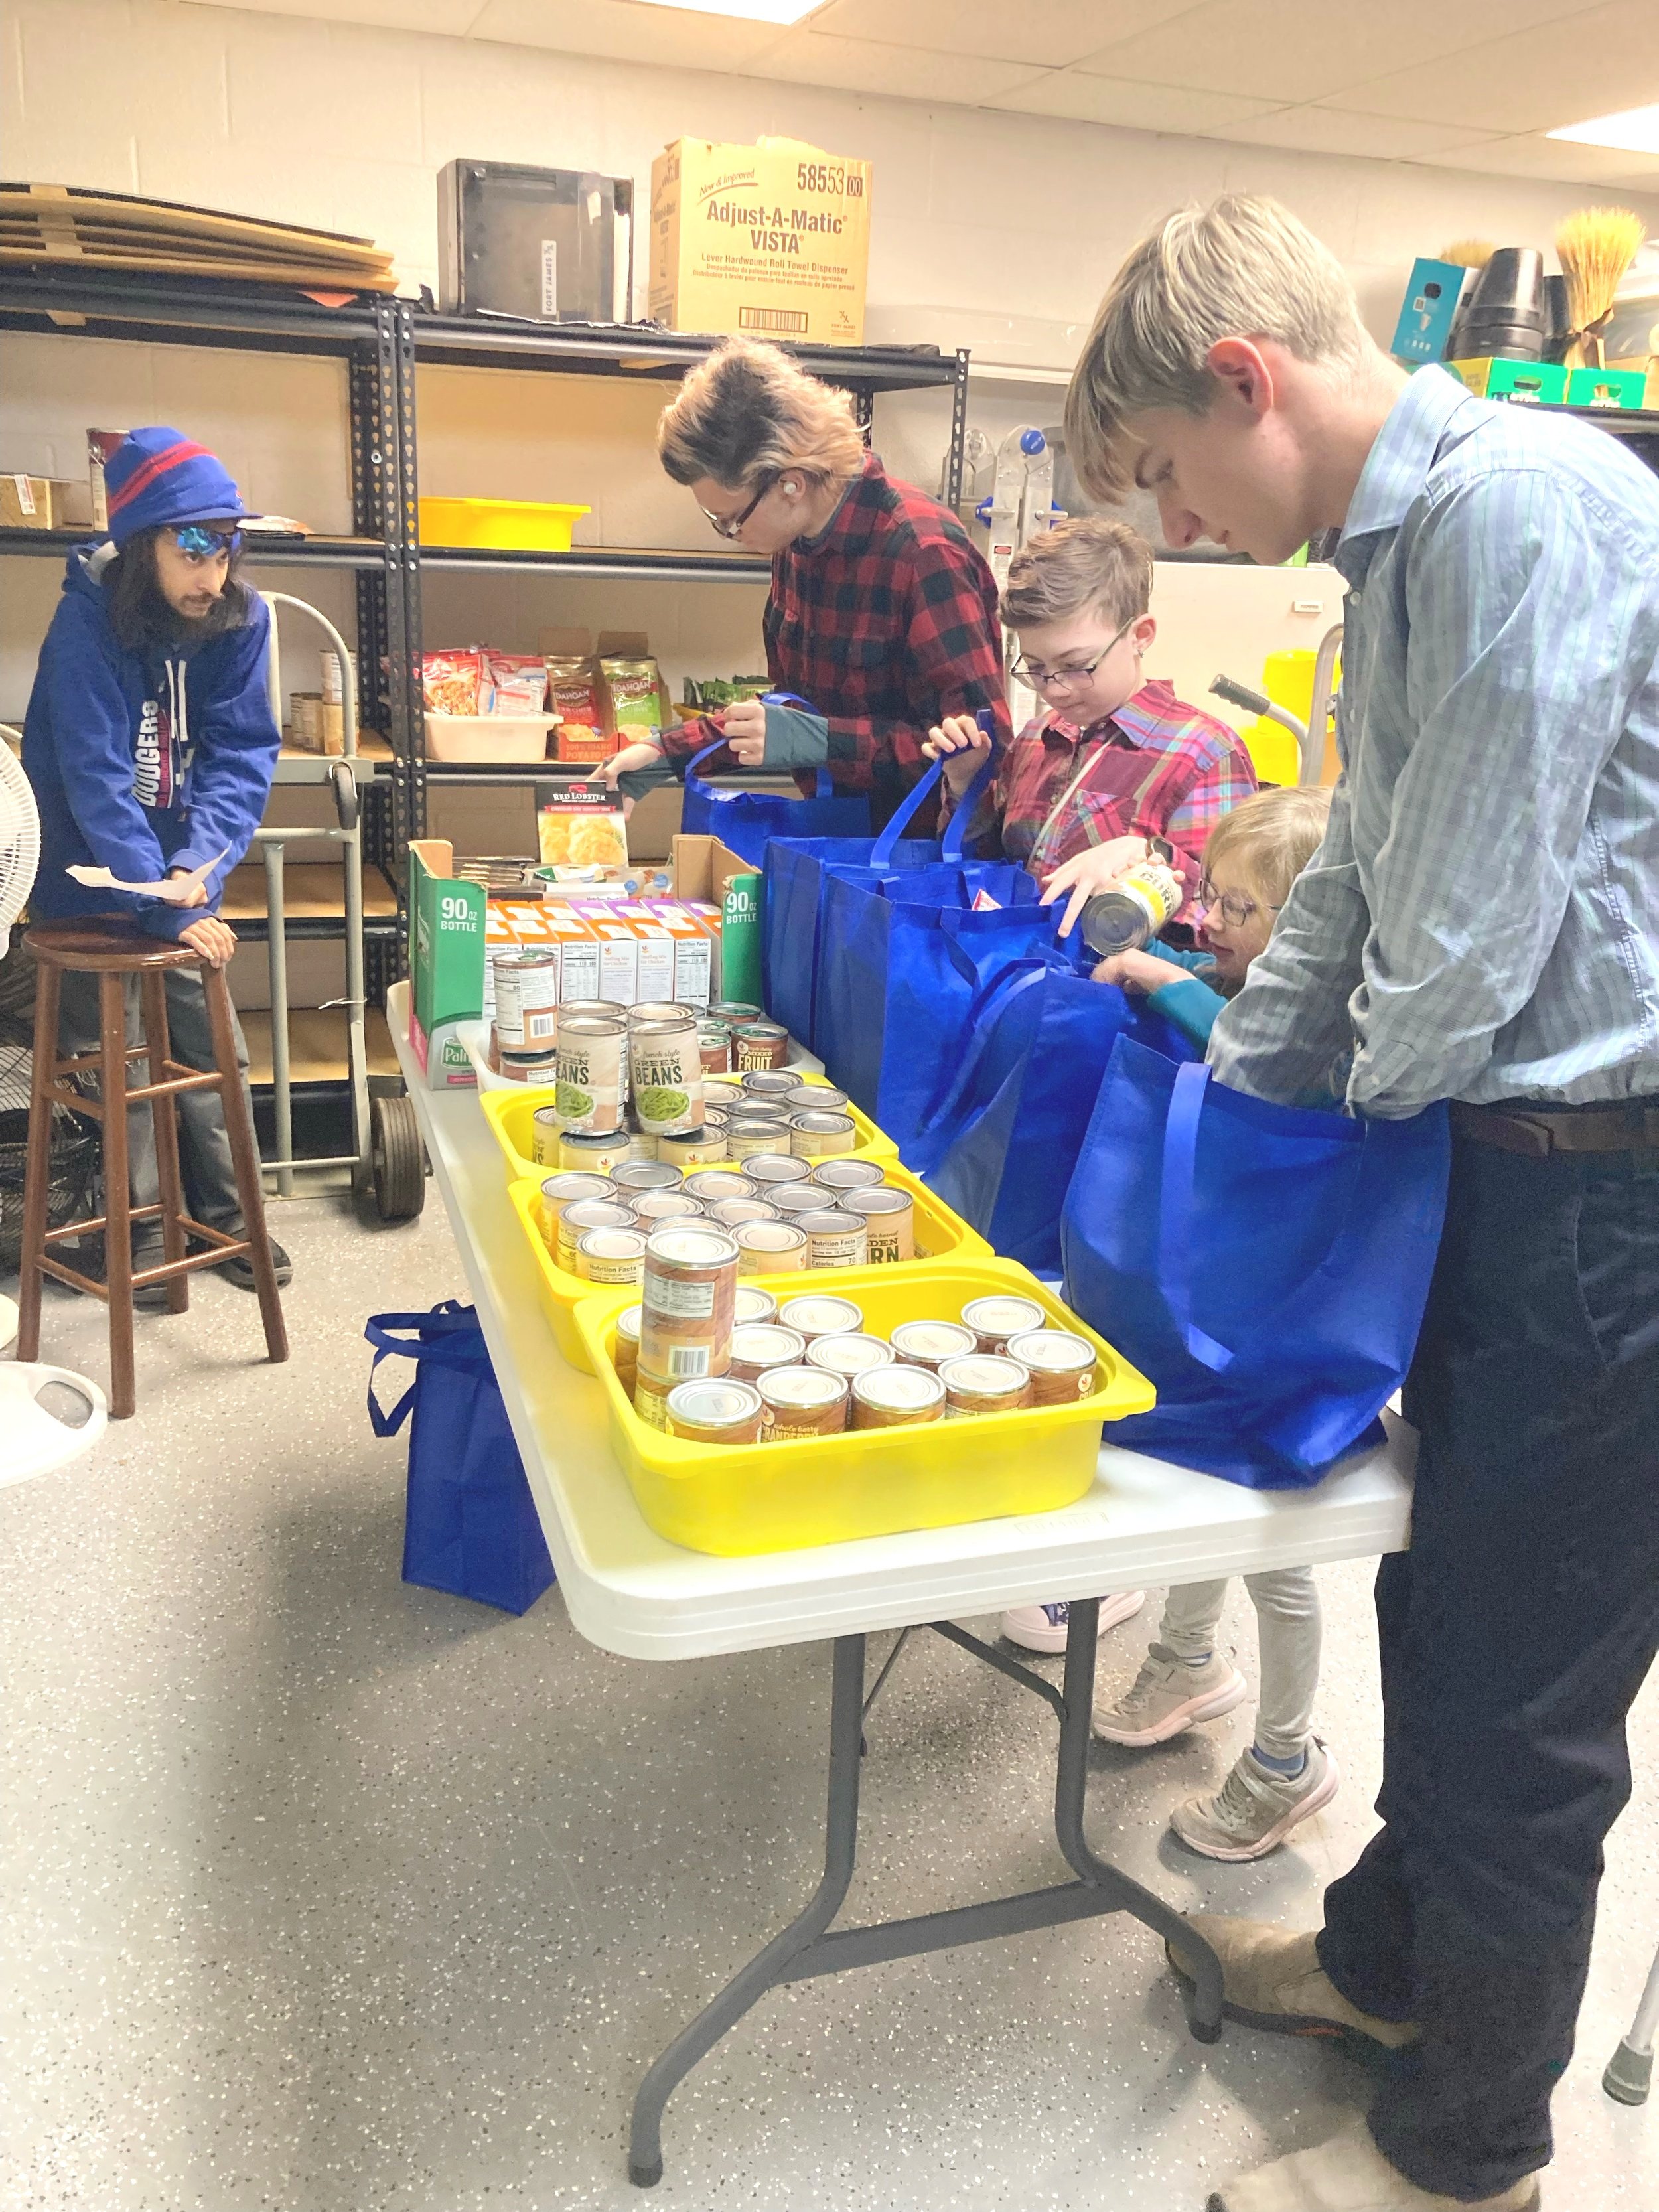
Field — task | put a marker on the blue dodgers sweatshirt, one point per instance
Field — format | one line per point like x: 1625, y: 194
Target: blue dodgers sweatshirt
x: 142, y: 763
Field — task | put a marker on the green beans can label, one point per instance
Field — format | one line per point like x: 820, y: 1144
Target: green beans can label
x: 665, y: 1067
x: 590, y: 1079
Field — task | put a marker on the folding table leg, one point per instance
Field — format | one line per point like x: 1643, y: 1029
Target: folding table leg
x: 770, y: 1966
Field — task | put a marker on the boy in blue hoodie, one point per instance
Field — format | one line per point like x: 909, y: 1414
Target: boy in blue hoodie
x: 150, y: 744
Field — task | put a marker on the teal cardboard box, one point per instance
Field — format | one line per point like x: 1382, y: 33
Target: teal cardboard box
x: 446, y: 962
x: 1427, y: 312
x: 1606, y: 387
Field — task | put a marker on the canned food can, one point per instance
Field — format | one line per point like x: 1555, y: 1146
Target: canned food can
x: 769, y: 1248
x: 714, y: 1043
x: 1061, y: 1365
x: 983, y: 1382
x: 651, y: 1400
x: 897, y: 1398
x: 747, y: 1134
x: 545, y: 1130
x: 568, y: 1188
x: 711, y: 1183
x: 853, y: 1353
x: 536, y: 1064
x: 792, y: 1200
x: 763, y: 1345
x: 724, y: 1089
x: 817, y: 1136
x: 715, y: 1412
x: 840, y: 1176
x: 802, y: 1401
x: 732, y: 1212
x: 892, y: 1216
x: 611, y: 1256
x: 733, y: 1011
x: 835, y: 1238
x: 819, y: 1097
x: 765, y: 1083
x: 752, y: 1304
x: 688, y: 1285
x: 930, y: 1343
x: 994, y: 1320
x: 526, y: 997
x: 759, y: 1045
x: 660, y: 1009
x: 775, y: 1168
x: 590, y: 1092
x: 665, y: 1071
x: 692, y: 1148
x: 822, y: 1316
x: 576, y: 1220
x: 642, y: 1147
x: 655, y: 1206
x: 647, y: 1175
x: 586, y: 1148
x: 625, y: 1356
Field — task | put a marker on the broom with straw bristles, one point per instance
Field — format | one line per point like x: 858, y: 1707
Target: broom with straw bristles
x: 1594, y: 247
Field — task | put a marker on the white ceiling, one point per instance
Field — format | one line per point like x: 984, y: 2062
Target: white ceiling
x: 1465, y: 84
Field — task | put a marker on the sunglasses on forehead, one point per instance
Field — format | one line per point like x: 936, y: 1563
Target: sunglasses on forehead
x: 197, y: 542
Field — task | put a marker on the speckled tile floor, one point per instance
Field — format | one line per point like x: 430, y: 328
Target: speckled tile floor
x: 324, y: 1894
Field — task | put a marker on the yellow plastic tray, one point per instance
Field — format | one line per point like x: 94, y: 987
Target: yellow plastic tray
x: 736, y: 1500
x: 940, y: 1235
x: 524, y: 526
x: 509, y: 1114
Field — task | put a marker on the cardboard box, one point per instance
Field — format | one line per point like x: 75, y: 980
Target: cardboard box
x: 707, y: 872
x: 1495, y: 376
x: 44, y: 503
x: 771, y: 239
x: 1606, y: 387
x: 446, y: 962
x: 101, y: 445
x: 619, y: 957
x: 692, y: 939
x: 1427, y: 312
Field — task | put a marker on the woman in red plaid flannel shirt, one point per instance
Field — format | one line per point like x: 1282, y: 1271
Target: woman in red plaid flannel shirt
x: 1117, y: 768
x: 882, y: 611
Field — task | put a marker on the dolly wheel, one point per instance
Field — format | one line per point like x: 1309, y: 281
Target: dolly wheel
x: 398, y: 1163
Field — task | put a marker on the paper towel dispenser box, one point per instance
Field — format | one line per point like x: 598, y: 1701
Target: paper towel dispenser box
x: 551, y: 245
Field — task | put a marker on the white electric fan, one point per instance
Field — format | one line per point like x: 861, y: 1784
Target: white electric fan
x: 47, y: 1415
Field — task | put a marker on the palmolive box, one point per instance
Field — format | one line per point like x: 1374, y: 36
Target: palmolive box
x: 773, y: 239
x: 446, y: 962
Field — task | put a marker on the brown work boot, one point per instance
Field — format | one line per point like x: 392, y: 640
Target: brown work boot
x: 1349, y: 2174
x: 1270, y: 1977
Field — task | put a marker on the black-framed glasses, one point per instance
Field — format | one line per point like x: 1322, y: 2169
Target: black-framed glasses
x: 1047, y: 679
x: 731, y: 525
x: 197, y: 542
x: 1234, y: 908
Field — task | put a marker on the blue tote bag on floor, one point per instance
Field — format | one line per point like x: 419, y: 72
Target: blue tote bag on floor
x: 471, y: 1527
x: 997, y: 1144
x: 1267, y: 1267
x: 746, y: 820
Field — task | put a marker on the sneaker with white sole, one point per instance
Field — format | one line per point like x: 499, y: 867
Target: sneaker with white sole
x: 1167, y: 1697
x: 1043, y: 1627
x: 1254, y: 1809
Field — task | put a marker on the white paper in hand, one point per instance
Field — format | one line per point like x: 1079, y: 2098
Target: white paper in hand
x: 177, y: 890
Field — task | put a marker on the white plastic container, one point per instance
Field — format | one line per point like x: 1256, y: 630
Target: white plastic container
x: 488, y: 737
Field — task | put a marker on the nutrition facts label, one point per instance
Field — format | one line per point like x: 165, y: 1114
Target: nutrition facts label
x: 688, y: 1301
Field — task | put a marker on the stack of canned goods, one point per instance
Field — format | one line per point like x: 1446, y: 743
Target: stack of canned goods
x: 809, y: 1367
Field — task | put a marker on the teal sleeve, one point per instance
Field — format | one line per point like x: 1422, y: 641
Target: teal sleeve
x: 1195, y: 963
x: 795, y: 739
x: 1190, y: 1005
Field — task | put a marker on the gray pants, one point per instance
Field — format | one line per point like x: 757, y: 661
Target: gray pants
x: 204, y: 1160
x: 1287, y: 1626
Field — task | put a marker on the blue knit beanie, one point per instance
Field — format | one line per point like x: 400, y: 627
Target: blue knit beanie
x: 160, y: 476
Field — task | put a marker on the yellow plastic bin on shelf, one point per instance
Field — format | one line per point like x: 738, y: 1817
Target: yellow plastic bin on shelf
x: 940, y: 1235
x: 739, y: 1499
x: 511, y: 1114
x: 501, y: 525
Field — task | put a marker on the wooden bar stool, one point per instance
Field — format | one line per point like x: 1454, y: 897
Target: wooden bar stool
x: 112, y: 950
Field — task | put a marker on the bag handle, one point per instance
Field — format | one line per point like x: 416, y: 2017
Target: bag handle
x: 694, y: 782
x: 1175, y: 1229
x: 957, y: 827
x: 983, y: 1019
x: 384, y: 1331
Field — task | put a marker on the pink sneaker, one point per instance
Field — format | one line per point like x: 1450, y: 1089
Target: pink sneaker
x: 1043, y: 1627
x: 1167, y: 1697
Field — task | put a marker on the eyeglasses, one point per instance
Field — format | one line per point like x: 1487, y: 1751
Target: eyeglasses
x: 1054, y: 679
x: 197, y: 543
x: 1233, y: 907
x: 731, y: 525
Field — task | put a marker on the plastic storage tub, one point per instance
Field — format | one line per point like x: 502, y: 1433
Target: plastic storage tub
x: 488, y: 737
x: 739, y: 1499
x: 504, y: 525
x: 940, y: 1235
x: 510, y: 1109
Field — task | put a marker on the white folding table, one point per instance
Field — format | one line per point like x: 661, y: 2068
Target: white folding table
x: 632, y: 1592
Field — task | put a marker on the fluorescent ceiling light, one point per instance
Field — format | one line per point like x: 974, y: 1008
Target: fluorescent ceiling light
x: 750, y: 11
x: 1633, y: 131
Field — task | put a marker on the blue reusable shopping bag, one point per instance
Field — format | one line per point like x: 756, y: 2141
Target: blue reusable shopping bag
x: 470, y: 1526
x: 1266, y: 1266
x: 998, y: 1143
x: 744, y: 821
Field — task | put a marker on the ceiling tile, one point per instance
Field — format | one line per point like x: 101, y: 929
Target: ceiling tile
x: 1337, y: 131
x: 1592, y: 63
x: 807, y: 56
x: 626, y: 30
x: 454, y: 16
x: 1046, y: 34
x: 1301, y: 50
x: 1130, y: 106
x: 1553, y: 158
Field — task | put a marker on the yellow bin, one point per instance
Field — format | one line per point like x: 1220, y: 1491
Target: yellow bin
x: 940, y: 1235
x: 736, y: 1500
x: 502, y: 526
x: 511, y: 1114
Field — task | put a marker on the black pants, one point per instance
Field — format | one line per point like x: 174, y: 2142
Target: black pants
x: 1515, y: 1634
